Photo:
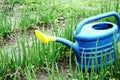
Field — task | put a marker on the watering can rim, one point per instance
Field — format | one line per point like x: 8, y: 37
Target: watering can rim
x: 83, y: 37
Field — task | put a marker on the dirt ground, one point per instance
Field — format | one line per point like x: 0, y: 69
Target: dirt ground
x: 40, y: 74
x: 43, y: 75
x: 11, y: 40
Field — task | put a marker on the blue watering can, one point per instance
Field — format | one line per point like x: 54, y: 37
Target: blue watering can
x: 92, y: 40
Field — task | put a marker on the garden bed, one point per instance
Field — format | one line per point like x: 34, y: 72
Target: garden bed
x: 23, y: 57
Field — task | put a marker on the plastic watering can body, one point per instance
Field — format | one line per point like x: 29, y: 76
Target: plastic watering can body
x: 92, y: 40
x: 97, y: 39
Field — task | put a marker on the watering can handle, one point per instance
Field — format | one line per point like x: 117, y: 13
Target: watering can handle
x: 97, y: 17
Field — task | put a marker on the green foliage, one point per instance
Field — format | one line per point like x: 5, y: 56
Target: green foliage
x: 27, y: 58
x: 8, y: 5
x: 5, y: 25
x: 31, y: 1
x: 28, y: 19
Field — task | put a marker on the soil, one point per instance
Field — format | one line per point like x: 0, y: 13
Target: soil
x: 41, y: 74
x: 10, y: 39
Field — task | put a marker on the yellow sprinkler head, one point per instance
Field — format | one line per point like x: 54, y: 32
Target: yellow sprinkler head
x: 44, y: 38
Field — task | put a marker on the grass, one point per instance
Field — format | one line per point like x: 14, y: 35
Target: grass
x: 5, y: 23
x: 27, y: 58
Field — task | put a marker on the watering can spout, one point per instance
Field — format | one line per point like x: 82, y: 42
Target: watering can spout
x: 46, y: 39
x: 68, y: 43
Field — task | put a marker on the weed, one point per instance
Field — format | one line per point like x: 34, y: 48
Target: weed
x: 28, y: 57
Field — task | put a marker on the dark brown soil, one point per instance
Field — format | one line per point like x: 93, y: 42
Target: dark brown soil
x: 10, y: 39
x: 63, y: 68
x: 41, y: 74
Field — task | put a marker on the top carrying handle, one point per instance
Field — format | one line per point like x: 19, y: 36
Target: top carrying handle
x: 100, y: 16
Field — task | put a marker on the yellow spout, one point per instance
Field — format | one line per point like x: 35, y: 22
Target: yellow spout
x: 44, y: 38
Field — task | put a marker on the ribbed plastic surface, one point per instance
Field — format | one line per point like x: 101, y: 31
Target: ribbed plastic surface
x: 99, y: 46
